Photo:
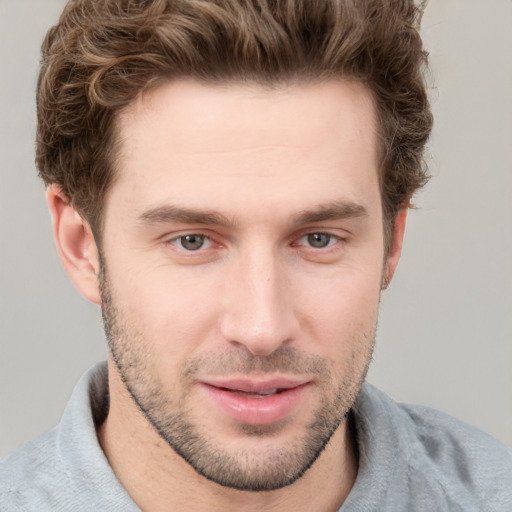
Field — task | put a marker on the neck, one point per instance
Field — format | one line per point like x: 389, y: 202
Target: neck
x: 157, y: 479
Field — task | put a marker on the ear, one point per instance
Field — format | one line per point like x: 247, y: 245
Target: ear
x: 75, y: 244
x: 395, y: 249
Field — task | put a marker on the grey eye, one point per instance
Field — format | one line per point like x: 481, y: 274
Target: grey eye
x: 192, y: 242
x: 319, y: 240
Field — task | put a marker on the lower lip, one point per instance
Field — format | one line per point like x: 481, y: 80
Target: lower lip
x: 256, y: 411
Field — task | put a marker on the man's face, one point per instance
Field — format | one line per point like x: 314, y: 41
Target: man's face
x: 243, y: 251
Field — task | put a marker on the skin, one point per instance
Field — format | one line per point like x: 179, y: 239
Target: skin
x: 259, y: 298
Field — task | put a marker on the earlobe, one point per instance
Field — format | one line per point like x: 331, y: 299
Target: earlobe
x: 75, y: 243
x: 395, y: 249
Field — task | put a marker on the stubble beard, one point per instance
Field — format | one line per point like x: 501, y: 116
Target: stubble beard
x: 275, y: 468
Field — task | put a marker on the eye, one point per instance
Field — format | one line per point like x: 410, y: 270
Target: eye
x: 318, y: 240
x: 192, y: 242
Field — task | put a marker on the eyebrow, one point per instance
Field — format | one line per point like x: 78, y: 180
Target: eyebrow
x: 336, y: 210
x: 167, y: 214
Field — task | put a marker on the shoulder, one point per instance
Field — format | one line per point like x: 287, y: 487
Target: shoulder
x: 27, y: 474
x: 446, y: 438
x: 466, y: 462
x: 435, y: 458
x: 65, y: 468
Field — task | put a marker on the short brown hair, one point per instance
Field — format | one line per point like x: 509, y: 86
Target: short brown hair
x: 103, y: 53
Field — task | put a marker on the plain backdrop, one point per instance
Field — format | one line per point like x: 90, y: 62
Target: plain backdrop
x: 445, y: 330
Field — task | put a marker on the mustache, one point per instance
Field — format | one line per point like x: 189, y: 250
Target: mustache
x: 235, y: 361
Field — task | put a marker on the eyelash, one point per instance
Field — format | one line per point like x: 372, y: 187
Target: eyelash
x: 332, y: 240
x: 176, y: 241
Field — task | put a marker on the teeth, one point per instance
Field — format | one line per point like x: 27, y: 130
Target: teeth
x: 257, y: 394
x: 269, y: 392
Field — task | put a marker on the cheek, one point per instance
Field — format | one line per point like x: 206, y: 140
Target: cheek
x: 173, y: 313
x: 341, y: 310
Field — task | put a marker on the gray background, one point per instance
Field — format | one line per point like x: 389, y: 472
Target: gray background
x: 445, y: 334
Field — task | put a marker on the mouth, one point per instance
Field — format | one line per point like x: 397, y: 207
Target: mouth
x: 255, y: 394
x: 255, y: 402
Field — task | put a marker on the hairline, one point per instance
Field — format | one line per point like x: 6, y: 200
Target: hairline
x: 97, y: 225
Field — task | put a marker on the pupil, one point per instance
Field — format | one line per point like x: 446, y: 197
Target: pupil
x: 192, y: 242
x: 319, y: 240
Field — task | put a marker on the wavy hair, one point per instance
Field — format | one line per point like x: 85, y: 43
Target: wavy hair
x: 103, y: 53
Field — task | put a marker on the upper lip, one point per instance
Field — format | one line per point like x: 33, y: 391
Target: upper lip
x: 252, y: 385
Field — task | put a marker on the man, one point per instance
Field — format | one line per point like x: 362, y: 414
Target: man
x: 230, y: 182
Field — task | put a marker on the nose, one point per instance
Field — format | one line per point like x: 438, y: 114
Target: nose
x: 258, y: 304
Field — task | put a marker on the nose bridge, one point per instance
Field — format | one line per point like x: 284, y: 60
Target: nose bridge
x: 258, y: 312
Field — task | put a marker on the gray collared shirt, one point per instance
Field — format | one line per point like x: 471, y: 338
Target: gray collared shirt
x: 411, y: 458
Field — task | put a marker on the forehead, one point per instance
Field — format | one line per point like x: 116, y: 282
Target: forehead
x: 190, y: 142
x: 192, y: 113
